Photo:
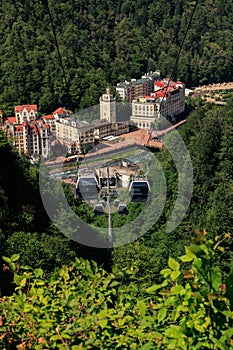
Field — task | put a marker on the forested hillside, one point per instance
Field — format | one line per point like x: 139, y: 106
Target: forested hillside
x: 26, y: 229
x: 165, y: 290
x: 208, y: 134
x: 66, y: 52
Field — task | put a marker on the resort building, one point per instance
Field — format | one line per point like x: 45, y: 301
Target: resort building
x: 50, y: 120
x: 25, y: 113
x: 29, y: 137
x: 167, y: 101
x: 74, y: 134
x: 129, y: 90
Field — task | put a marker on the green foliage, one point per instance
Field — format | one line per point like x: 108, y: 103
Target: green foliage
x: 102, y: 43
x: 82, y: 306
x: 41, y: 250
x: 208, y: 137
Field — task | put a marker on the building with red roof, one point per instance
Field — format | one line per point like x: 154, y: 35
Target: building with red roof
x: 25, y: 113
x: 167, y: 100
x: 10, y: 120
x: 159, y: 85
x: 129, y: 90
x: 29, y: 134
x: 61, y: 112
x: 50, y: 120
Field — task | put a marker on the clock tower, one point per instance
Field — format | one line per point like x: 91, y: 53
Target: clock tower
x: 108, y: 106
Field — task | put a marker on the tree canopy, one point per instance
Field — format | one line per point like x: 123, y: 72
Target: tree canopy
x: 67, y: 52
x: 82, y: 306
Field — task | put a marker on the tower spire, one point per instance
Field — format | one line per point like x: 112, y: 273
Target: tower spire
x: 108, y: 106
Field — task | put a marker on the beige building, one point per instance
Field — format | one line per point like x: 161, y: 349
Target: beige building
x: 168, y: 100
x: 103, y: 128
x: 108, y: 107
x: 74, y: 134
x: 25, y: 113
x: 61, y: 112
x: 30, y: 138
x: 130, y: 90
x: 50, y: 120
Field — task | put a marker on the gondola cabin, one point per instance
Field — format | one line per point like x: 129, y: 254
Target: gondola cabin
x: 139, y: 190
x: 104, y: 181
x: 122, y: 209
x: 99, y: 209
x: 87, y: 187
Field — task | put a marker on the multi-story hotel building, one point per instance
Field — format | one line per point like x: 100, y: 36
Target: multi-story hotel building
x: 50, y: 120
x: 29, y: 138
x: 129, y: 90
x: 168, y: 100
x: 28, y: 134
x: 74, y: 134
x: 25, y: 113
x: 103, y: 128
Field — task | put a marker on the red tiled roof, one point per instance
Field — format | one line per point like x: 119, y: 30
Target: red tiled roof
x: 27, y: 107
x: 50, y: 116
x: 161, y: 94
x: 11, y: 120
x: 159, y: 84
x: 34, y: 127
x: 59, y: 111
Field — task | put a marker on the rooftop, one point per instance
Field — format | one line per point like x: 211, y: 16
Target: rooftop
x: 141, y: 137
x: 27, y: 107
x: 100, y: 122
x: 11, y: 120
x: 47, y: 117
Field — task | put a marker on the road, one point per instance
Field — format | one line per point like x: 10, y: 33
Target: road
x: 220, y: 86
x: 135, y: 139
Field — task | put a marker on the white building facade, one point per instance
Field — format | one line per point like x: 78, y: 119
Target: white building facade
x: 167, y: 101
x: 108, y: 107
x: 29, y: 135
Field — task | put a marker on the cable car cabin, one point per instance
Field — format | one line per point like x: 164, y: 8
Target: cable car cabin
x: 139, y: 190
x: 99, y: 209
x: 104, y: 181
x: 122, y: 209
x: 87, y: 187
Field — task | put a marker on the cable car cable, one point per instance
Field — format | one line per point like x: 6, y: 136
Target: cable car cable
x: 179, y: 52
x: 65, y: 83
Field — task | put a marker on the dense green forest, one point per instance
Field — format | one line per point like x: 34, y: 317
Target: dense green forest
x: 66, y: 52
x: 135, y: 270
x: 25, y: 227
x: 166, y: 290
